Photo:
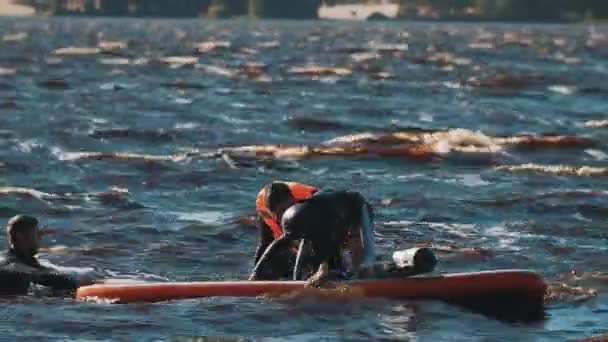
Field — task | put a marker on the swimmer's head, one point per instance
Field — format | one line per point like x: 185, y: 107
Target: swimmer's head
x: 278, y: 199
x: 22, y: 234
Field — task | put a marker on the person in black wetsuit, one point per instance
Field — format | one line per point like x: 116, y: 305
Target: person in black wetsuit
x: 335, y: 233
x: 18, y: 265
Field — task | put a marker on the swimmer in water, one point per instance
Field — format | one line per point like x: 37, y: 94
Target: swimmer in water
x: 332, y: 229
x: 19, y: 267
x: 271, y: 202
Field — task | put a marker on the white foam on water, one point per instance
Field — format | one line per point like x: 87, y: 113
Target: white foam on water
x: 114, y: 61
x: 597, y: 154
x: 138, y: 277
x: 412, y: 176
x: 329, y: 79
x: 319, y: 172
x: 426, y: 117
x: 562, y: 89
x: 182, y: 101
x: 98, y: 300
x: 28, y: 146
x: 443, y: 147
x: 474, y: 180
x: 67, y: 269
x: 558, y: 170
x: 15, y: 37
x: 7, y: 71
x: 234, y: 120
x: 460, y: 140
x: 27, y: 191
x: 63, y: 155
x: 112, y: 86
x: 452, y: 85
x: 508, y: 240
x: 399, y: 223
x: 580, y: 217
x: 239, y: 105
x: 470, y: 180
x: 98, y: 120
x: 596, y: 124
x: 206, y: 217
x: 462, y: 230
x: 186, y: 125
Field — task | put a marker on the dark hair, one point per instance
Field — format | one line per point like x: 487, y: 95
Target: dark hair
x: 18, y: 224
x: 277, y: 193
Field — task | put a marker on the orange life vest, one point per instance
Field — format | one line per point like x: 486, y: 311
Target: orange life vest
x: 299, y: 192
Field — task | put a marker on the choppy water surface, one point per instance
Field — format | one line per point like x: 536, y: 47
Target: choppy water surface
x: 145, y: 150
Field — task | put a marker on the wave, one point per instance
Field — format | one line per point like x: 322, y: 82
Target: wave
x: 568, y: 293
x: 504, y: 81
x: 468, y: 253
x: 560, y: 170
x: 117, y: 156
x: 74, y: 51
x: 4, y: 71
x: 597, y: 124
x: 15, y: 37
x: 114, y: 196
x: 298, y: 152
x: 112, y: 45
x: 160, y: 134
x: 178, y: 61
x: 212, y: 46
x: 599, y: 338
x: 250, y: 71
x: 412, y: 143
x: 546, y: 141
x: 510, y: 200
x: 317, y: 70
x: 576, y: 287
x: 462, y: 140
x: 458, y: 139
x: 28, y: 192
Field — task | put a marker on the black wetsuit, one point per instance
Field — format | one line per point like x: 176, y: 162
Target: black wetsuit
x: 323, y: 221
x: 17, y: 273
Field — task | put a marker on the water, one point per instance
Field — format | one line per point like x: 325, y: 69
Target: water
x: 180, y: 217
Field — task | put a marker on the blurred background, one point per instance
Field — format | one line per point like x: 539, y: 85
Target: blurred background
x: 140, y: 131
x: 504, y: 10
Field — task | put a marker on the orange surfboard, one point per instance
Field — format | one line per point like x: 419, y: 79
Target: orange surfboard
x: 450, y: 287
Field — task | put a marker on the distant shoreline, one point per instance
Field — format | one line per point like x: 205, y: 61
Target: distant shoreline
x: 8, y: 9
x: 335, y: 13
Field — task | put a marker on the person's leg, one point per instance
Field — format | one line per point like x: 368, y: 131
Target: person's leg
x: 265, y: 269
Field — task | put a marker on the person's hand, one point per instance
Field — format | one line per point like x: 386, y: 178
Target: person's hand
x: 320, y: 277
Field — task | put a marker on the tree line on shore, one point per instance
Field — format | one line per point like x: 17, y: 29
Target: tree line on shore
x: 178, y: 8
x: 524, y: 10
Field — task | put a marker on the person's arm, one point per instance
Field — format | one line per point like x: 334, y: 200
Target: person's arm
x: 264, y: 240
x: 263, y: 269
x: 54, y: 279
